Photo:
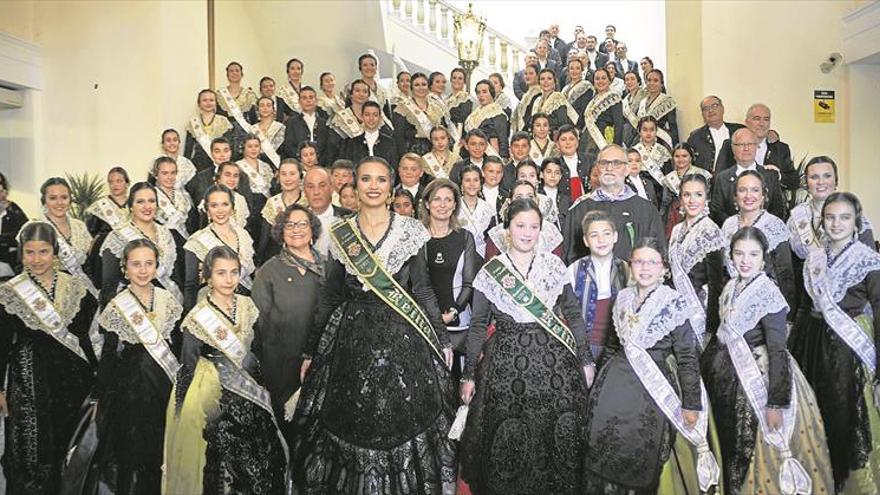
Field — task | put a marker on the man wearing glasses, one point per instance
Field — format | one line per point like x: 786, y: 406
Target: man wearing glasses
x: 774, y: 156
x: 635, y: 217
x: 708, y: 140
x: 722, y: 204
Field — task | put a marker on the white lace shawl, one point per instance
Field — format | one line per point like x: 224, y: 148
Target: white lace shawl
x: 547, y: 278
x: 742, y: 313
x: 691, y: 248
x: 118, y: 238
x: 404, y: 239
x: 550, y: 238
x: 664, y: 310
x: 69, y: 291
x: 850, y: 268
x: 166, y: 313
x: 773, y: 228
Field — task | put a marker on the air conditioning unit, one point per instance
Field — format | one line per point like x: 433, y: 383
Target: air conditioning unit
x: 11, y: 98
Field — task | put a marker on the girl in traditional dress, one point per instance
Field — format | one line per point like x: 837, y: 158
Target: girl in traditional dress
x: 229, y: 175
x: 237, y: 104
x: 578, y: 91
x: 437, y: 85
x: 186, y: 170
x: 541, y: 145
x: 142, y: 207
x: 617, y: 85
x: 833, y: 343
x: 639, y: 403
x: 347, y: 122
x: 440, y: 160
x: 221, y: 435
x: 697, y: 249
x: 661, y: 106
x: 288, y: 92
x: 286, y: 291
x: 377, y: 323
x: 529, y: 171
x: 750, y: 194
x: 501, y: 97
x: 110, y: 211
x: 401, y: 90
x: 452, y: 260
x: 656, y: 157
x: 460, y: 103
x: 523, y: 113
x: 489, y: 117
x: 328, y: 99
x: 551, y: 102
x: 632, y: 98
x: 527, y: 396
x: 498, y: 242
x: 204, y: 128
x: 603, y: 116
x: 348, y: 198
x: 368, y: 65
x: 768, y: 423
x: 270, y: 133
x: 137, y: 370
x: 475, y: 215
x: 72, y: 235
x: 222, y: 230
x: 259, y: 174
x: 45, y: 315
x: 671, y: 209
x: 175, y: 208
x: 415, y: 116
x: 289, y: 179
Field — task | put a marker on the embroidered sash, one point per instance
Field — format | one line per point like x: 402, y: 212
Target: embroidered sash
x: 804, y: 235
x: 266, y: 146
x: 630, y: 113
x: 44, y: 311
x: 740, y: 315
x: 820, y: 284
x: 129, y: 233
x: 596, y: 107
x: 171, y: 217
x: 524, y: 106
x: 638, y: 338
x: 186, y: 170
x: 200, y: 134
x: 480, y: 115
x: 346, y: 124
x: 234, y: 109
x: 105, y: 209
x: 435, y: 168
x: 416, y: 116
x: 573, y: 91
x: 519, y: 290
x: 259, y: 184
x: 359, y: 258
x: 552, y: 103
x: 659, y: 108
x: 538, y: 155
x: 653, y: 159
x: 290, y: 97
x: 67, y: 255
x: 205, y: 239
x: 152, y: 340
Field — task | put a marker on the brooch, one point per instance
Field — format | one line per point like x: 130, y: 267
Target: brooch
x: 354, y: 250
x: 40, y: 305
x: 137, y: 318
x: 508, y: 282
x: 221, y: 333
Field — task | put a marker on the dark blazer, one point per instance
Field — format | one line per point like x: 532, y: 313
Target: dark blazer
x: 556, y: 67
x: 455, y: 172
x: 297, y: 132
x: 704, y: 146
x: 621, y: 70
x: 417, y: 197
x: 583, y: 167
x: 200, y: 183
x: 722, y: 204
x: 778, y: 154
x: 356, y: 149
x: 648, y: 184
x: 601, y: 60
x: 519, y: 84
x: 12, y: 222
x: 561, y: 47
x: 601, y: 45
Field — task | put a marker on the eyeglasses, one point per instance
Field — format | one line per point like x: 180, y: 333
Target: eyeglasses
x: 744, y: 145
x: 646, y: 263
x: 301, y: 225
x: 711, y: 106
x: 611, y: 164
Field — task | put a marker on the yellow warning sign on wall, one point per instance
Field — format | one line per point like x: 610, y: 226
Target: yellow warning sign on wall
x: 823, y: 106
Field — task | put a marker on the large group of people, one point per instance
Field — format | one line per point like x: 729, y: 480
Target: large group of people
x: 422, y: 290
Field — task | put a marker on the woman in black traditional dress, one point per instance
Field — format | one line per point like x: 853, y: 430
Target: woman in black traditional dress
x: 489, y: 117
x: 137, y: 370
x: 44, y: 325
x: 639, y: 403
x: 415, y: 116
x: 221, y: 435
x: 578, y: 91
x: 104, y: 215
x: 377, y: 402
x: 832, y: 346
x: 603, y: 116
x: 204, y: 128
x: 671, y: 208
x: 528, y: 394
x: 286, y: 291
x: 459, y: 103
x: 551, y: 102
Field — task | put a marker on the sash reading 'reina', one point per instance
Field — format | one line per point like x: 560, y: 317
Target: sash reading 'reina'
x: 519, y: 290
x: 370, y: 271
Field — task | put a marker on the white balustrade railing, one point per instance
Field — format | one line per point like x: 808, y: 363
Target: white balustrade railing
x: 500, y: 53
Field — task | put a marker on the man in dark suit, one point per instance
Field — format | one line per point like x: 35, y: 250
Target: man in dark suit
x: 376, y: 139
x: 552, y: 52
x: 558, y: 44
x: 722, y: 203
x: 595, y: 58
x: 707, y: 141
x: 542, y: 50
x: 773, y: 156
x: 519, y: 79
x: 221, y: 152
x: 610, y: 32
x: 309, y: 125
x: 640, y: 184
x: 623, y: 64
x: 574, y: 45
x: 318, y: 189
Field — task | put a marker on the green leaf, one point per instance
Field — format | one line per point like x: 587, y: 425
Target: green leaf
x: 85, y: 189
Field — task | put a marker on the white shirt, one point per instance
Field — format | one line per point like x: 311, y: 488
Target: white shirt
x: 603, y: 277
x: 310, y: 123
x: 477, y: 163
x: 491, y: 195
x: 572, y: 163
x: 718, y: 137
x: 550, y: 192
x: 371, y: 137
x: 412, y: 190
x: 322, y: 244
x: 762, y: 152
x: 740, y: 169
x: 638, y: 185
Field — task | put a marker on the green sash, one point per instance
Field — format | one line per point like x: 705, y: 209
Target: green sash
x: 518, y: 289
x: 358, y: 256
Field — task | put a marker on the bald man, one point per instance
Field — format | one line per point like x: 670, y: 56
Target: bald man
x: 318, y: 188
